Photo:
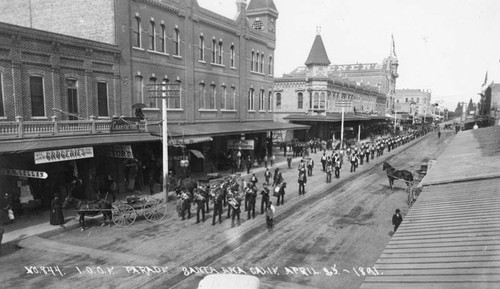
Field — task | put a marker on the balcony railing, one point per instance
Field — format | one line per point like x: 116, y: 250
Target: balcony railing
x: 26, y: 129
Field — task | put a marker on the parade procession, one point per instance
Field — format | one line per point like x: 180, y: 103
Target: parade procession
x: 249, y: 144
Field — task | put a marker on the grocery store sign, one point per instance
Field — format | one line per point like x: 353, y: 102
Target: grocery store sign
x: 120, y: 151
x: 240, y: 144
x: 63, y: 155
x: 24, y: 173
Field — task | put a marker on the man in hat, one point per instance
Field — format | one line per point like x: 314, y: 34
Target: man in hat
x: 397, y: 220
x: 270, y: 216
x: 265, y: 198
x: 302, y: 182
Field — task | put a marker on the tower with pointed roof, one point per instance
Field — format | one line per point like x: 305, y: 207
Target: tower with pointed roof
x: 262, y: 15
x: 317, y: 62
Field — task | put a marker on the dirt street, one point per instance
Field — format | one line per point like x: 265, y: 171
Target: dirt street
x: 324, y: 239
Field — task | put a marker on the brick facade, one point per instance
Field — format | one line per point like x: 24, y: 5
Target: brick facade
x: 27, y: 52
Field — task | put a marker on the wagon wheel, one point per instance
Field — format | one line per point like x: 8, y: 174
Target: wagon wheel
x: 154, y: 210
x: 123, y: 215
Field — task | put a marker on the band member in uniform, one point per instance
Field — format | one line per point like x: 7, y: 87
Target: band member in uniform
x: 329, y: 172
x: 254, y: 180
x: 323, y: 161
x: 265, y: 198
x: 372, y: 149
x: 302, y: 182
x: 270, y: 216
x: 235, y: 203
x: 337, y: 165
x: 251, y: 196
x: 354, y: 160
x: 310, y: 165
x: 277, y: 178
x: 200, y: 205
x: 367, y: 154
x: 218, y: 207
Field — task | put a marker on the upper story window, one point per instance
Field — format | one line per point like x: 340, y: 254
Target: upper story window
x: 233, y: 56
x: 177, y: 42
x: 270, y: 66
x: 202, y: 96
x: 102, y: 99
x: 138, y: 89
x: 269, y: 96
x: 2, y: 108
x: 37, y: 96
x: 278, y: 100
x: 173, y: 102
x: 251, y: 99
x: 152, y: 35
x: 152, y: 100
x: 300, y: 100
x: 202, y: 48
x: 257, y: 24
x: 262, y: 63
x: 137, y: 32
x: 220, y: 53
x: 214, y: 50
x: 257, y: 59
x: 261, y: 99
x: 223, y: 101
x: 161, y: 38
x: 252, y: 60
x: 72, y: 98
x: 213, y: 97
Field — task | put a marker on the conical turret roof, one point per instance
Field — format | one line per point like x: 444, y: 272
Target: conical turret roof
x: 317, y: 55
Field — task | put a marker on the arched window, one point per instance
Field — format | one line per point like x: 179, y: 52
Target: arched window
x: 152, y: 100
x: 137, y: 32
x: 161, y: 43
x: 262, y: 63
x: 322, y: 101
x: 152, y: 32
x: 138, y: 89
x: 213, y: 96
x: 270, y: 64
x: 214, y: 50
x: 315, y: 100
x: 269, y: 102
x: 219, y: 53
x: 177, y: 42
x: 233, y: 56
x: 202, y: 98
x: 251, y: 99
x: 202, y: 48
x: 257, y: 59
x: 252, y: 60
x: 300, y: 100
x: 261, y: 99
x: 278, y: 100
x: 72, y: 97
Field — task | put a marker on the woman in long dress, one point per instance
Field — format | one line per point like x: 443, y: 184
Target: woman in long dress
x: 56, y: 215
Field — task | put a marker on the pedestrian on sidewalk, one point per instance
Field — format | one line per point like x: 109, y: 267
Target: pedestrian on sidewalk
x: 302, y: 182
x: 112, y: 187
x: 270, y: 216
x: 329, y: 171
x: 267, y: 175
x: 310, y: 165
x: 265, y: 161
x: 397, y: 220
x: 249, y: 164
x: 56, y: 215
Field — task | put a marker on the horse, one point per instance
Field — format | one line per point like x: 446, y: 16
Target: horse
x: 393, y: 174
x: 90, y: 208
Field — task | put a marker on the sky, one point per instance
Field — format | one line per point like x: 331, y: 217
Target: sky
x: 446, y: 46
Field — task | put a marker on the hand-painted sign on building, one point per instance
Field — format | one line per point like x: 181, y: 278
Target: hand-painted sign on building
x: 24, y: 173
x: 240, y: 144
x: 63, y: 155
x: 120, y: 151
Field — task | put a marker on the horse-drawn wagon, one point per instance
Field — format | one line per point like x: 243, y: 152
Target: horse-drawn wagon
x: 153, y: 209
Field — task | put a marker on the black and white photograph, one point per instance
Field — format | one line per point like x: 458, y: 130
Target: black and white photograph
x: 250, y: 144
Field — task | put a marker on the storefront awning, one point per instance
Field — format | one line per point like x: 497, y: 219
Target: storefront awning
x: 224, y: 128
x: 49, y: 143
x: 198, y: 154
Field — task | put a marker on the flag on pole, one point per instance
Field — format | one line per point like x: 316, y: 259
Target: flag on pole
x: 393, y: 48
x: 485, y: 79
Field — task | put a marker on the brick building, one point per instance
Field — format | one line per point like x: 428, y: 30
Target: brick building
x: 490, y: 103
x: 416, y: 103
x: 311, y: 95
x: 224, y: 67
